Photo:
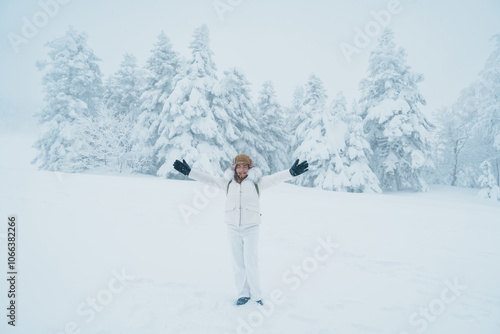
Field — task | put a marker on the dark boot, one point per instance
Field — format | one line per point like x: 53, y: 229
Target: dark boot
x: 242, y: 301
x: 260, y: 302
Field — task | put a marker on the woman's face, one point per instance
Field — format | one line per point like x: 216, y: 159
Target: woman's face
x: 241, y: 170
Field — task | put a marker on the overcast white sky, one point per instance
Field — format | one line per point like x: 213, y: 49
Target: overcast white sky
x: 281, y: 40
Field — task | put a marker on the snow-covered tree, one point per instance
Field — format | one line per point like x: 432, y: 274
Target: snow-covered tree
x: 320, y: 141
x: 123, y: 88
x: 357, y: 149
x: 162, y: 67
x: 480, y: 105
x: 73, y: 88
x: 489, y: 122
x: 295, y: 116
x: 119, y: 114
x: 396, y: 128
x: 468, y: 177
x: 453, y: 132
x: 108, y: 136
x: 187, y: 125
x: 294, y: 113
x: 488, y: 182
x: 272, y: 121
x: 235, y: 114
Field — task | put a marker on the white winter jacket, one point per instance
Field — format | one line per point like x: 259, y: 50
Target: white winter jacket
x: 242, y: 200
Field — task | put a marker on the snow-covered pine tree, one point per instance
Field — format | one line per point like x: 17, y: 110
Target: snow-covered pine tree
x: 488, y: 182
x: 122, y: 89
x: 235, y: 114
x: 119, y: 115
x: 162, y: 67
x: 489, y: 124
x: 294, y: 113
x: 73, y: 88
x: 480, y: 102
x: 295, y: 116
x: 273, y: 122
x: 491, y: 105
x: 319, y: 141
x: 357, y: 149
x: 187, y: 124
x: 396, y: 128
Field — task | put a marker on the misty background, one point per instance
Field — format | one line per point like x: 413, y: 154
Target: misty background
x: 281, y: 41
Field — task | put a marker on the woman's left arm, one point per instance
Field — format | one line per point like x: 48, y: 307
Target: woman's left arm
x: 274, y: 179
x: 285, y: 175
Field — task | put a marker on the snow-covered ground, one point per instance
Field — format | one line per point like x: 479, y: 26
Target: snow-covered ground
x: 110, y: 254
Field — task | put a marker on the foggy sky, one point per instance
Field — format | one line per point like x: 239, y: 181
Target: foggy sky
x: 282, y: 41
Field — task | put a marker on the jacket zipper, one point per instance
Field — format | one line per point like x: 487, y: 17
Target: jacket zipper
x: 240, y: 205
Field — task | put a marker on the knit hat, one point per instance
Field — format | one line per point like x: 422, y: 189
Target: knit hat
x: 243, y: 159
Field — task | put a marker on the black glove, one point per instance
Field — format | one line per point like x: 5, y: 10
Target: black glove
x: 298, y: 169
x: 182, y: 167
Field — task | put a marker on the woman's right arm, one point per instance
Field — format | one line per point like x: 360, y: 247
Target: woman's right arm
x: 215, y: 181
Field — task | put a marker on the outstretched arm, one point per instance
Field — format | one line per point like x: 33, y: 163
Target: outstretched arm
x: 215, y: 181
x: 277, y: 178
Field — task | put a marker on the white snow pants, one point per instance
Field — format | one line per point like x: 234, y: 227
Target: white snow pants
x: 243, y: 241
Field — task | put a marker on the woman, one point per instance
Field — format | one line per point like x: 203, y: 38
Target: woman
x: 242, y: 183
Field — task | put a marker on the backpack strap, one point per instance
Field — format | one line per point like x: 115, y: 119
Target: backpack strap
x: 255, y: 184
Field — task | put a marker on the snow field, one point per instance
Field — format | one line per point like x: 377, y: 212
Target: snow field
x: 405, y: 262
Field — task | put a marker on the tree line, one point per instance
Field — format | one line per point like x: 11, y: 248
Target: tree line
x: 140, y: 119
